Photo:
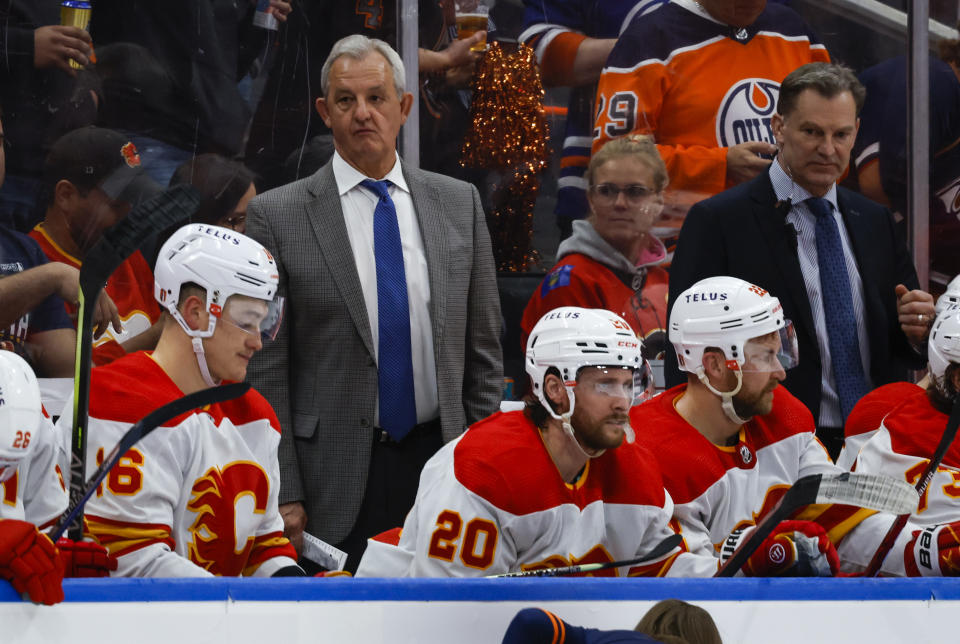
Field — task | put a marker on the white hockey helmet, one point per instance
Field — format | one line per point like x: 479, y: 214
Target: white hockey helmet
x: 724, y: 313
x: 223, y: 262
x: 20, y: 411
x: 950, y: 297
x: 570, y: 338
x: 943, y: 348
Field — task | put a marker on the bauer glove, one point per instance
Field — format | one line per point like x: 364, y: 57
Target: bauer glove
x: 934, y: 551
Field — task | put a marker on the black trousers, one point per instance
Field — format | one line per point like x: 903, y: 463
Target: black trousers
x: 391, y: 485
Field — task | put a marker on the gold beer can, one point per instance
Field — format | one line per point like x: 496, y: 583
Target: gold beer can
x: 75, y: 13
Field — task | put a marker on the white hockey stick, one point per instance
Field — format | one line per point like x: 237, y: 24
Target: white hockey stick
x: 880, y: 493
x: 660, y: 550
x: 150, y: 422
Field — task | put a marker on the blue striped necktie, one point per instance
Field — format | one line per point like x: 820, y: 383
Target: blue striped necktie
x: 398, y: 406
x: 838, y: 308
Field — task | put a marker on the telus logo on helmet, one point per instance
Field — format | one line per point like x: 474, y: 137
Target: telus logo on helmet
x: 220, y: 234
x: 706, y: 297
x: 572, y: 315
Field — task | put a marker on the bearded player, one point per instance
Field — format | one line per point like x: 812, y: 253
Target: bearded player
x: 732, y: 441
x: 198, y: 496
x: 554, y: 484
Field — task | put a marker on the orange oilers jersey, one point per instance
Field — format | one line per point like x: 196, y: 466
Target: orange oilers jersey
x: 698, y: 87
x: 902, y: 448
x: 36, y: 492
x: 131, y: 289
x: 492, y: 501
x: 718, y: 489
x: 867, y: 415
x: 196, y: 497
x: 579, y: 280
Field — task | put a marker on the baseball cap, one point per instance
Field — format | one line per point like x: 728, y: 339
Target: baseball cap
x: 97, y: 157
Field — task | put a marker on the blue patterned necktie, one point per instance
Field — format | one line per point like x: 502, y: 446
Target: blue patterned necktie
x: 838, y: 308
x: 398, y: 406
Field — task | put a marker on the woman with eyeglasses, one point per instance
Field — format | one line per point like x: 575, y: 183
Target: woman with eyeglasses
x: 225, y: 186
x: 611, y: 259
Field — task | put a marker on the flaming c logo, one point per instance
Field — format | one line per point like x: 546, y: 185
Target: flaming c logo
x: 214, y: 498
x: 130, y: 155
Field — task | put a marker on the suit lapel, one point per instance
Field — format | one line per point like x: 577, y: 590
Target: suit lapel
x: 430, y: 218
x: 326, y: 217
x: 772, y: 222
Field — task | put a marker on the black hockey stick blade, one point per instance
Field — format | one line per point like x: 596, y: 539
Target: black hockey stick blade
x: 949, y: 434
x: 880, y: 493
x: 662, y: 548
x: 156, y: 418
x: 117, y: 243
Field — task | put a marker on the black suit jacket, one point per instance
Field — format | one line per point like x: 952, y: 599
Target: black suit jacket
x: 743, y: 232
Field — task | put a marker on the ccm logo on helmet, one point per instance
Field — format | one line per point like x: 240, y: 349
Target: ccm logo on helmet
x: 627, y: 343
x: 706, y: 297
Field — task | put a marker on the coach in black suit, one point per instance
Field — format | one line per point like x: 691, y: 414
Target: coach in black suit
x: 769, y: 232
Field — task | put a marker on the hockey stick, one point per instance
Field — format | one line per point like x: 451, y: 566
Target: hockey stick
x: 949, y: 434
x: 661, y: 549
x: 156, y: 418
x: 117, y: 243
x: 880, y: 493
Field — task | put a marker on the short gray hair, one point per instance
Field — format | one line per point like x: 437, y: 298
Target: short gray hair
x: 827, y: 79
x: 359, y: 47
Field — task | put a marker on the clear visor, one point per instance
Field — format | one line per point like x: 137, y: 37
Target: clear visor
x: 253, y: 316
x: 772, y: 352
x: 609, y: 381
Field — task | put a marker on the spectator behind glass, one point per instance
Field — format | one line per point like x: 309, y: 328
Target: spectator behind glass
x: 610, y: 261
x: 680, y: 619
x: 92, y: 179
x: 572, y: 41
x: 42, y: 96
x: 205, y: 47
x: 703, y: 78
x: 880, y: 154
x: 225, y: 186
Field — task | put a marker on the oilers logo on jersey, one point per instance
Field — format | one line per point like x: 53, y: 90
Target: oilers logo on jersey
x: 745, y: 112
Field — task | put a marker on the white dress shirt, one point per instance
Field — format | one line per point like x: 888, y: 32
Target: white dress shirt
x: 805, y: 222
x: 358, y: 205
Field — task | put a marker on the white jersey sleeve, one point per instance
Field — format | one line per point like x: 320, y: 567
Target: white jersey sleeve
x: 36, y: 491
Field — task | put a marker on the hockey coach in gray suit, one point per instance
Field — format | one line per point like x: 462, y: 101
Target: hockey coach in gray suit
x: 390, y: 346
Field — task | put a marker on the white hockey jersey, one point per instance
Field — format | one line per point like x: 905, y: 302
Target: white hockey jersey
x: 492, y: 501
x: 718, y: 489
x: 196, y: 497
x: 36, y: 492
x: 867, y: 415
x: 902, y: 448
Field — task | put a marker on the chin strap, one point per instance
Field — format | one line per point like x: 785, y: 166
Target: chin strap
x: 202, y: 362
x: 567, y: 427
x: 726, y: 397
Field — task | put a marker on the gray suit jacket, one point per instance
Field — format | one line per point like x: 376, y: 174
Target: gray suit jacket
x: 320, y: 374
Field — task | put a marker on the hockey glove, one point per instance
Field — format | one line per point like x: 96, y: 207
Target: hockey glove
x: 934, y: 551
x: 85, y: 559
x: 28, y: 560
x: 793, y: 549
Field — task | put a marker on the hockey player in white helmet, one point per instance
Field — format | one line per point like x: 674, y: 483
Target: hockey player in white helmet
x: 907, y: 438
x: 731, y: 441
x: 552, y: 485
x: 200, y: 498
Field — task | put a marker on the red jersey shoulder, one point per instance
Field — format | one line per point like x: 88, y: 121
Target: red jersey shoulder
x: 916, y: 426
x: 788, y: 417
x: 869, y: 411
x: 248, y: 408
x: 688, y: 462
x: 128, y: 389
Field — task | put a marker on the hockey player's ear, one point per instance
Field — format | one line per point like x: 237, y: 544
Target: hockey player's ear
x: 556, y: 393
x: 194, y: 312
x: 714, y: 364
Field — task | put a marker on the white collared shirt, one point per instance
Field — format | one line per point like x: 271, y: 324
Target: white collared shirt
x: 358, y: 205
x: 805, y: 222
